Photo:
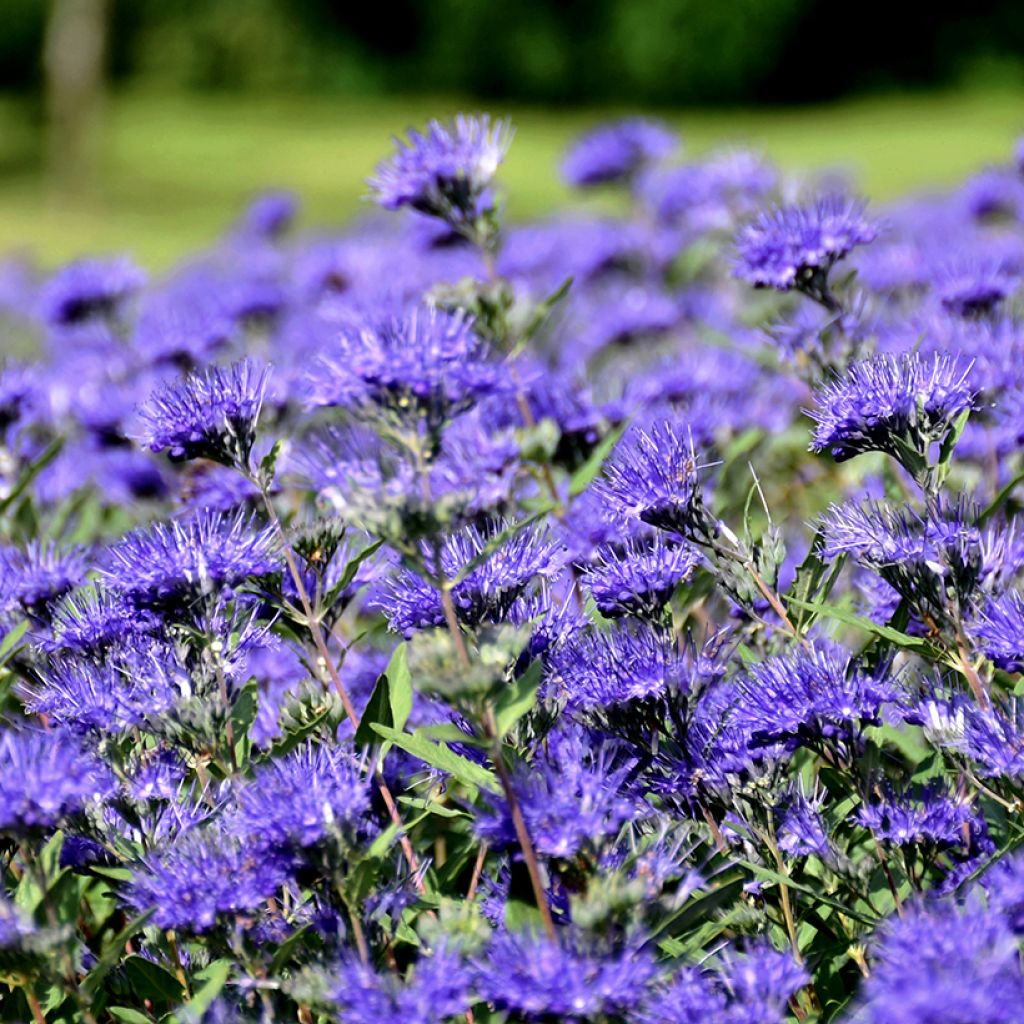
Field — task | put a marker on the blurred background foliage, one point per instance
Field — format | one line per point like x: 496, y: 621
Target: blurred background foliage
x: 196, y: 104
x: 666, y: 52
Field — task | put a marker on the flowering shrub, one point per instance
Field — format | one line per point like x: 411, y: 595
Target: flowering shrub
x: 615, y: 619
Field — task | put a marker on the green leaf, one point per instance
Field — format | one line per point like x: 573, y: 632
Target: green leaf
x: 819, y: 897
x: 151, y: 981
x: 268, y: 465
x: 437, y: 755
x: 521, y: 916
x: 212, y: 980
x: 9, y: 644
x: 1001, y: 499
x: 584, y: 476
x: 517, y: 699
x: 349, y: 573
x: 399, y: 686
x: 128, y: 1015
x: 112, y: 954
x: 540, y: 313
x: 809, y: 574
x: 950, y: 441
x: 33, y: 470
x: 894, y: 636
x: 390, y: 703
x: 285, y: 950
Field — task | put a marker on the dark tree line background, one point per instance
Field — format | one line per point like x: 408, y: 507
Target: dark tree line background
x: 624, y: 51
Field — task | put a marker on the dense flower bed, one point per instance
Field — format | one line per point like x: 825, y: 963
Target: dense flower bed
x: 613, y: 618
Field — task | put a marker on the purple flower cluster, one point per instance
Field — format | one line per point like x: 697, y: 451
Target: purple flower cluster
x: 445, y: 171
x: 796, y: 246
x: 503, y: 655
x: 890, y: 404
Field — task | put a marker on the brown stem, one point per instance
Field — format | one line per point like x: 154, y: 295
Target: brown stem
x: 451, y: 620
x: 226, y: 702
x: 33, y: 1004
x: 777, y: 606
x: 328, y: 662
x: 519, y: 824
x: 970, y: 672
x: 787, y: 906
x: 478, y: 870
x: 179, y: 969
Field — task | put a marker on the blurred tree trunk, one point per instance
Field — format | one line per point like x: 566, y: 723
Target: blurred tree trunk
x: 74, y: 52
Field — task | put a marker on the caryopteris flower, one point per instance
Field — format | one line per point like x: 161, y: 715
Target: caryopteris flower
x: 999, y: 631
x: 167, y: 563
x: 139, y: 684
x: 575, y: 796
x: 423, y: 366
x: 929, y: 560
x: 811, y: 695
x: 928, y: 814
x: 298, y: 800
x: 445, y: 171
x: 438, y: 988
x: 653, y: 477
x: 616, y: 152
x: 46, y: 777
x: 88, y: 289
x: 33, y: 577
x: 639, y: 579
x: 203, y: 875
x: 901, y: 405
x: 632, y: 663
x: 89, y: 621
x: 536, y: 979
x: 209, y: 415
x: 796, y: 246
x: 480, y: 593
x: 945, y: 963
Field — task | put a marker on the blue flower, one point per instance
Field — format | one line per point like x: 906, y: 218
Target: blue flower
x: 926, y: 559
x: 485, y: 592
x: 446, y: 171
x: 615, y: 152
x: 891, y: 404
x: 201, y: 876
x: 945, y: 964
x: 138, y: 685
x: 425, y: 366
x: 811, y: 695
x: 90, y: 620
x: 973, y: 288
x: 45, y: 778
x: 640, y: 578
x: 35, y: 576
x: 537, y: 979
x: 796, y: 246
x: 801, y: 829
x: 653, y: 477
x: 926, y: 814
x: 210, y: 415
x: 999, y: 631
x: 268, y: 216
x: 169, y: 563
x: 573, y: 797
x: 438, y: 988
x: 88, y: 289
x: 631, y: 664
x: 299, y: 800
x: 1004, y: 887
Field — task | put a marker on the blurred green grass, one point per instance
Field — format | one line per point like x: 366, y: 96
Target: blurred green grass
x: 176, y: 169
